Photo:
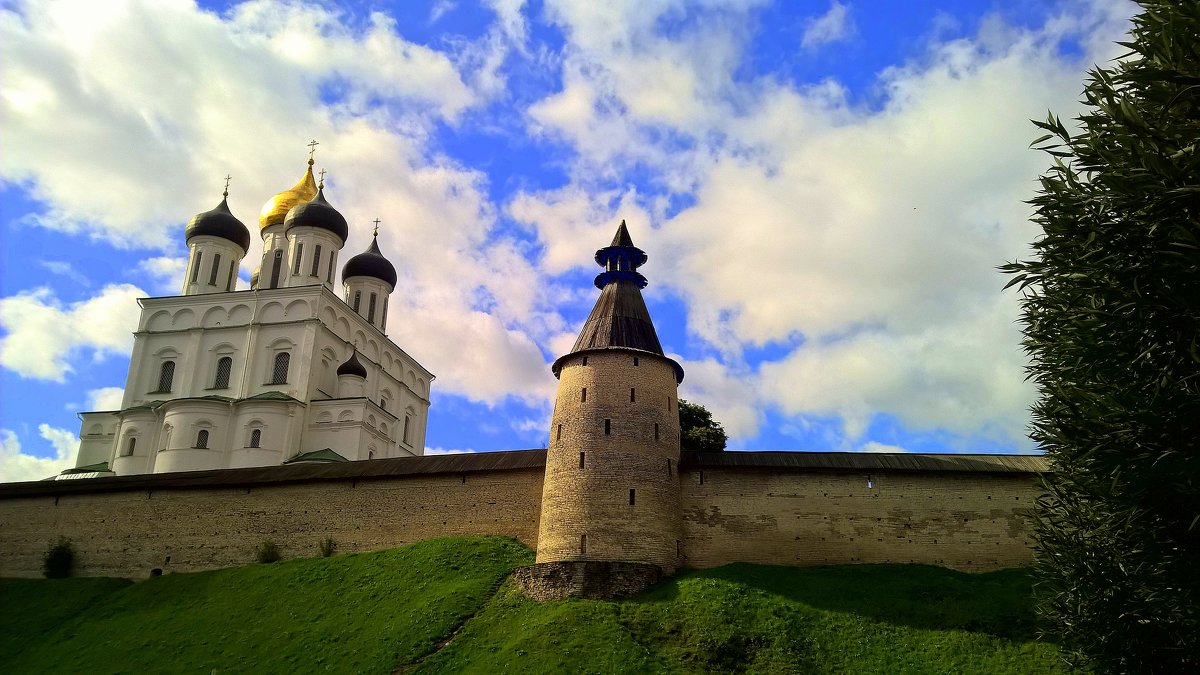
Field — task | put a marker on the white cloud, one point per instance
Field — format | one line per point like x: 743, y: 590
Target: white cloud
x: 44, y: 335
x: 447, y: 451
x: 66, y: 269
x: 166, y: 272
x: 872, y: 446
x: 105, y: 398
x: 834, y: 25
x: 16, y: 465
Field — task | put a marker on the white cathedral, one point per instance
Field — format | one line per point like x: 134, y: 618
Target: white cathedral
x: 284, y: 372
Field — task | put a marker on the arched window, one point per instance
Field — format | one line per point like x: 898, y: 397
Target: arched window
x: 232, y: 267
x: 371, y: 309
x: 407, y: 424
x: 329, y: 272
x: 224, y: 365
x: 130, y: 446
x: 202, y: 438
x: 166, y: 374
x: 279, y: 374
x: 256, y: 438
x: 383, y: 319
x: 316, y: 266
x: 357, y: 299
x: 299, y: 257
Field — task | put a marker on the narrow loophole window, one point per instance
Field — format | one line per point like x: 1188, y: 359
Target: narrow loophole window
x: 581, y: 460
x: 668, y: 404
x: 635, y: 360
x: 656, y: 433
x: 216, y: 269
x: 607, y: 426
x: 702, y: 478
x: 582, y: 544
x: 585, y: 360
x: 583, y: 396
x: 196, y: 266
x: 632, y: 395
x: 632, y: 496
x: 558, y: 434
x: 668, y: 467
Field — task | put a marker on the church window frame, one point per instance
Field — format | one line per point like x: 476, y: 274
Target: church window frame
x: 280, y: 365
x: 224, y: 369
x: 130, y: 446
x: 357, y: 300
x: 202, y: 438
x: 232, y: 272
x: 371, y: 309
x: 299, y: 259
x: 166, y: 377
x: 216, y: 269
x: 276, y: 268
x: 332, y: 262
x: 316, y: 263
x: 383, y: 316
x: 255, y: 440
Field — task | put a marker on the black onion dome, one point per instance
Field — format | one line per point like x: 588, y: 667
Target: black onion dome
x: 219, y: 223
x: 370, y: 263
x: 352, y: 367
x: 317, y: 213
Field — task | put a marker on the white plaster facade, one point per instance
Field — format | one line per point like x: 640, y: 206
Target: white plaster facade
x: 222, y: 379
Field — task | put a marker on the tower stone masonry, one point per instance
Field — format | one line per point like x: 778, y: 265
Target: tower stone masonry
x: 611, y: 515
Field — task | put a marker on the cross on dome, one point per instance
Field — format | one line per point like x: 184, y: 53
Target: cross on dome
x: 227, y: 179
x: 312, y: 149
x: 376, y: 233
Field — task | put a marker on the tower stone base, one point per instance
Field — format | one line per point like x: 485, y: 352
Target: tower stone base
x: 589, y: 579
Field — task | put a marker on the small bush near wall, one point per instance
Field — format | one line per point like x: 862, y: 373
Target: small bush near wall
x: 328, y: 546
x: 268, y: 552
x: 59, y: 559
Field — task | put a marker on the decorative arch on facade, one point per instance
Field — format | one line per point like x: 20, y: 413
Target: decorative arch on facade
x: 184, y: 318
x: 323, y: 418
x: 160, y: 320
x: 346, y: 416
x: 214, y: 317
x: 272, y: 312
x: 297, y: 309
x: 96, y: 430
x: 240, y: 315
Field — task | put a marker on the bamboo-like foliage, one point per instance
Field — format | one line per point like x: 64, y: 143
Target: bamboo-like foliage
x: 1111, y: 321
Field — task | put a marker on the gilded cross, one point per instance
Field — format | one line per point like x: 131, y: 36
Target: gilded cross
x: 312, y: 148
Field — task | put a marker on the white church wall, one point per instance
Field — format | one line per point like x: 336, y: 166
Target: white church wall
x: 96, y: 437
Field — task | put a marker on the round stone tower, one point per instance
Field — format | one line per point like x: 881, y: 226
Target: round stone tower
x: 611, y: 515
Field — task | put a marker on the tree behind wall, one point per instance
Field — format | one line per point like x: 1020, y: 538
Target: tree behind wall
x: 698, y: 431
x: 1111, y: 318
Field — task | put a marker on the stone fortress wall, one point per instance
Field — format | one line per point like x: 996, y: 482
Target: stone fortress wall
x: 774, y: 508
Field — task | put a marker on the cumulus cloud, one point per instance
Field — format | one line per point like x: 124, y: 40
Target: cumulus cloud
x: 105, y: 398
x: 43, y: 334
x: 859, y: 241
x: 447, y: 451
x: 17, y: 465
x: 832, y: 26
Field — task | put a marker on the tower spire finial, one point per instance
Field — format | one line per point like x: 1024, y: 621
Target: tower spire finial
x: 376, y: 233
x: 321, y: 185
x: 312, y: 149
x: 227, y: 179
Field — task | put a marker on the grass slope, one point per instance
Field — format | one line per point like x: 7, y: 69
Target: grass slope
x: 353, y: 613
x: 396, y: 610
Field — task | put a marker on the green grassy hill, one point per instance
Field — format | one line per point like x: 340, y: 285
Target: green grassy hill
x: 444, y: 606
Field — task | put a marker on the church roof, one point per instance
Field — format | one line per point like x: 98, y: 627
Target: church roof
x: 326, y: 455
x: 318, y: 213
x: 370, y: 263
x: 619, y: 319
x: 277, y: 207
x: 352, y: 366
x: 219, y: 222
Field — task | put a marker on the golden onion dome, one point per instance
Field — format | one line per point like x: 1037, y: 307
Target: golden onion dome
x: 277, y: 207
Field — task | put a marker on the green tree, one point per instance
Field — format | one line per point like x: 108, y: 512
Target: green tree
x: 698, y: 432
x: 1111, y: 319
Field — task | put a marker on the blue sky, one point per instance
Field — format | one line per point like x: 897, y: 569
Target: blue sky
x: 824, y: 190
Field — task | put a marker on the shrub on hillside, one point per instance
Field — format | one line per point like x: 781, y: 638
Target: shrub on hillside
x: 59, y: 560
x: 268, y: 552
x: 328, y: 546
